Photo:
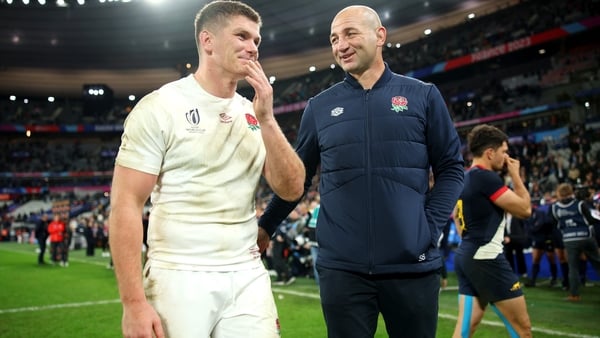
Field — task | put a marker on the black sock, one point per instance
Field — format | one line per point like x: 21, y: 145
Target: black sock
x: 535, y: 270
x: 564, y: 268
x: 553, y: 270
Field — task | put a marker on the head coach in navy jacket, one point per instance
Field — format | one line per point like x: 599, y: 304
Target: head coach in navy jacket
x: 376, y: 136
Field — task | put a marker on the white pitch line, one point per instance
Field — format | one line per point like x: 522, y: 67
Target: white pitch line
x: 453, y: 317
x: 71, y: 259
x: 59, y: 306
x: 534, y: 329
x: 276, y: 290
x: 298, y: 293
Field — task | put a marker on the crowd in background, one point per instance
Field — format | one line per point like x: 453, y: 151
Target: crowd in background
x: 514, y: 82
x: 570, y: 73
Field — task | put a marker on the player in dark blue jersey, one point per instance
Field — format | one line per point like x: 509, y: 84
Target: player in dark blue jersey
x: 484, y: 274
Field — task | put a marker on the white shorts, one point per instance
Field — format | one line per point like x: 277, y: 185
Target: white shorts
x: 213, y: 304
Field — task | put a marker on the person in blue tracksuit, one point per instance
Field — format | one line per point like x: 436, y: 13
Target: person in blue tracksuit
x: 376, y: 135
x: 575, y: 222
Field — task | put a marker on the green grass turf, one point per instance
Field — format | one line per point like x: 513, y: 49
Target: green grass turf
x: 82, y: 301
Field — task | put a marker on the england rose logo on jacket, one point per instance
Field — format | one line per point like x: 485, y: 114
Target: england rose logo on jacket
x: 399, y: 103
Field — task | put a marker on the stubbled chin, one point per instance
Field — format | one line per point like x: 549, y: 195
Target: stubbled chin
x: 346, y: 66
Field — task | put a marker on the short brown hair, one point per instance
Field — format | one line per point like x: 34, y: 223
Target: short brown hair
x: 484, y: 137
x: 215, y: 13
x: 564, y: 190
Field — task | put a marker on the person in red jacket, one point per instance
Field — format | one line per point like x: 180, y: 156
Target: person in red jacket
x: 56, y: 231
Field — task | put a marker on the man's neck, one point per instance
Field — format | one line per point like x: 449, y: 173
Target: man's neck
x: 215, y: 84
x: 369, y: 77
x: 481, y: 163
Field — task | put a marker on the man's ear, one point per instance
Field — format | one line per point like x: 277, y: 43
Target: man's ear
x: 381, y: 36
x: 489, y: 153
x: 205, y: 39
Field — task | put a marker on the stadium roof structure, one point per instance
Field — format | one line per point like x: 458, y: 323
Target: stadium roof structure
x: 134, y: 46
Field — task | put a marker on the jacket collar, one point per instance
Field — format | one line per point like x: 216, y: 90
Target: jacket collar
x: 385, y: 77
x: 567, y: 200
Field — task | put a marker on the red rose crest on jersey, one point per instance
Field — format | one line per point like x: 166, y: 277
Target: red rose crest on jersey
x: 399, y: 103
x: 252, y: 122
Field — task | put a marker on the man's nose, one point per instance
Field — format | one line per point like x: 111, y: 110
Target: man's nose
x: 342, y: 44
x: 252, y: 49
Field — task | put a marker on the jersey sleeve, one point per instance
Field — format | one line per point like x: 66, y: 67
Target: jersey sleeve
x: 492, y: 185
x: 143, y: 140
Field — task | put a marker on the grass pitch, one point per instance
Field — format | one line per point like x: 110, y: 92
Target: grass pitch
x: 82, y: 301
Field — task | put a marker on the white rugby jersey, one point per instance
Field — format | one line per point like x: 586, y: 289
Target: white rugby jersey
x: 208, y: 154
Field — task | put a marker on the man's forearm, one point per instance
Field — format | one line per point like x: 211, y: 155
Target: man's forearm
x: 520, y: 189
x: 125, y: 244
x: 284, y: 170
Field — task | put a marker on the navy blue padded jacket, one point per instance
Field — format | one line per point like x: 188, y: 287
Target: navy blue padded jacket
x: 376, y: 148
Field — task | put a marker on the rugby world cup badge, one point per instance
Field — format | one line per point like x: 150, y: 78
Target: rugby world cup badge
x: 193, y: 119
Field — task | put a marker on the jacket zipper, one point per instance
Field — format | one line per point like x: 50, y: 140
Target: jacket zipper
x: 368, y: 173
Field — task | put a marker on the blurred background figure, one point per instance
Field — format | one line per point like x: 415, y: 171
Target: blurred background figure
x: 515, y: 242
x: 56, y: 231
x: 41, y: 235
x: 543, y: 241
x: 575, y: 222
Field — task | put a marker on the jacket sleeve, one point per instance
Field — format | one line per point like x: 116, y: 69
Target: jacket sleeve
x: 587, y: 213
x: 308, y: 150
x: 445, y: 158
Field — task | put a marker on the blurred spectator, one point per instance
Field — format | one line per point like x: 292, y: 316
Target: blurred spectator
x: 515, y: 241
x: 281, y: 249
x: 312, y: 238
x: 56, y: 231
x: 41, y: 235
x: 91, y: 236
x: 541, y: 233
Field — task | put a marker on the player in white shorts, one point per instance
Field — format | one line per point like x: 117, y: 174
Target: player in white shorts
x: 198, y: 149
